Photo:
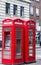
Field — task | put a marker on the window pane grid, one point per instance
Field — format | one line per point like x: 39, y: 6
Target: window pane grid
x: 15, y: 9
x: 21, y: 11
x: 7, y: 8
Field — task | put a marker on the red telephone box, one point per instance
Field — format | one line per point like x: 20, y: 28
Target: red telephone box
x: 30, y: 43
x: 12, y: 41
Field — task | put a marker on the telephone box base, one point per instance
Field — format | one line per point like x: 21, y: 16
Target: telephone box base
x: 29, y: 62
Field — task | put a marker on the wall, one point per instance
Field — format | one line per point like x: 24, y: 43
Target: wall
x: 3, y: 13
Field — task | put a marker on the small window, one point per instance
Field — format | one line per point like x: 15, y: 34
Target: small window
x: 7, y: 8
x: 21, y: 11
x: 37, y: 12
x: 37, y: 0
x: 31, y: 10
x: 15, y: 9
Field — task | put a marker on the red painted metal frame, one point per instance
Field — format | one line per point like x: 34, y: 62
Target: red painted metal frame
x: 13, y: 41
x: 6, y: 61
x: 27, y: 57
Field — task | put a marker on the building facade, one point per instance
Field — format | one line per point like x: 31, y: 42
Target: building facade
x: 35, y: 14
x: 13, y: 9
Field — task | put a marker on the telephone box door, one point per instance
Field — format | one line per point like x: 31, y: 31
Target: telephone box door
x: 31, y: 43
x: 19, y: 45
x: 19, y: 41
x: 6, y: 57
x: 7, y: 42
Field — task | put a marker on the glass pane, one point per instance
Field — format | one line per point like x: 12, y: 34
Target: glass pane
x: 19, y: 29
x: 18, y: 42
x: 18, y: 46
x: 15, y: 9
x: 21, y: 11
x: 31, y: 33
x: 18, y: 32
x: 7, y: 42
x: 7, y: 8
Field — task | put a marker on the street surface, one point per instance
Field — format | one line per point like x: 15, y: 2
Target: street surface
x: 38, y: 57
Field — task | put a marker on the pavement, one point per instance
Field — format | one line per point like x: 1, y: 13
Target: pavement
x: 38, y: 62
x: 38, y: 57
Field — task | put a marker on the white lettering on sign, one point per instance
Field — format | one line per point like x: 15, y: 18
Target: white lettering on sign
x: 18, y: 23
x: 8, y: 23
